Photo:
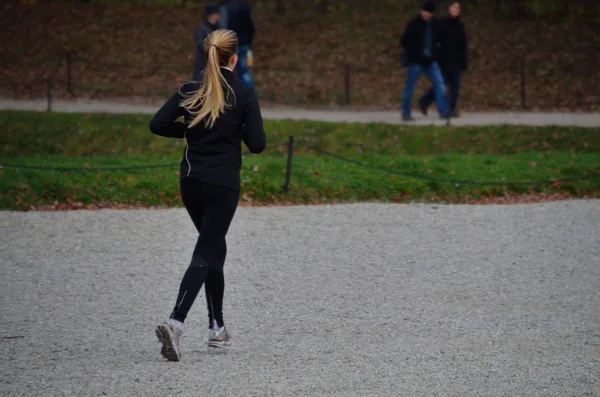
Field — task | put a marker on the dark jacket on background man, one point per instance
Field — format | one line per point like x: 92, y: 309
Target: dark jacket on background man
x: 453, y: 51
x: 202, y: 32
x: 413, y: 41
x: 236, y: 15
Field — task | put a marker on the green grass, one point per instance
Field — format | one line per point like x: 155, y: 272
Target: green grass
x: 498, y: 153
x: 31, y: 133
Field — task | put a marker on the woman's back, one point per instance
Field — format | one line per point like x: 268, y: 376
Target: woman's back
x: 228, y: 129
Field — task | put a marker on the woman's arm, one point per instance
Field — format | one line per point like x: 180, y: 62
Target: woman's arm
x: 163, y: 123
x: 254, y: 134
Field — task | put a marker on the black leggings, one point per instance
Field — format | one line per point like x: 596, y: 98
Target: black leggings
x: 211, y: 208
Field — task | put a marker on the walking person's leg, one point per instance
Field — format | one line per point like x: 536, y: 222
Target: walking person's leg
x: 412, y: 75
x: 435, y: 75
x: 242, y: 66
x: 429, y: 96
x: 426, y: 100
x: 454, y: 83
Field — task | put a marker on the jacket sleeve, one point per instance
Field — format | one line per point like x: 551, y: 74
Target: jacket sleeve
x: 199, y: 38
x: 405, y: 39
x: 164, y: 121
x: 253, y: 131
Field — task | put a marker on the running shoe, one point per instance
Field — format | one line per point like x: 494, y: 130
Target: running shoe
x: 219, y: 337
x: 169, y: 334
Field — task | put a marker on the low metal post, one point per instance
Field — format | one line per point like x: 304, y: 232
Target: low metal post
x: 288, y: 172
x: 49, y: 92
x: 69, y: 84
x: 523, y: 91
x: 347, y: 83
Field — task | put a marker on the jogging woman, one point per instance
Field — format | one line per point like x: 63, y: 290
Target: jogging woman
x: 219, y: 112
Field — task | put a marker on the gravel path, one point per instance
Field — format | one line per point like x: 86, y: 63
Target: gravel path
x: 278, y: 113
x: 348, y: 300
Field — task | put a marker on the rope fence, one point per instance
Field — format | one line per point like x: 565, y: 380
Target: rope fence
x: 446, y: 180
x: 289, y: 163
x: 87, y: 169
x: 102, y: 169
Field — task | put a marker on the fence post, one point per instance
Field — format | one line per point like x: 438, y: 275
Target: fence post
x: 49, y: 92
x: 347, y: 83
x: 69, y: 84
x: 522, y: 71
x: 288, y: 172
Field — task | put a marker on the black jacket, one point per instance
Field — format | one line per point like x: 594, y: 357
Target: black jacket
x: 215, y: 155
x: 238, y: 17
x: 453, y: 52
x: 201, y: 33
x: 413, y: 39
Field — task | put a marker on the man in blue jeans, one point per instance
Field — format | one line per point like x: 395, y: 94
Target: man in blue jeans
x: 453, y: 58
x: 419, y: 43
x: 236, y: 15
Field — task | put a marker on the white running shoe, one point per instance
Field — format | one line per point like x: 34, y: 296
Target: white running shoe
x: 219, y: 337
x: 169, y: 334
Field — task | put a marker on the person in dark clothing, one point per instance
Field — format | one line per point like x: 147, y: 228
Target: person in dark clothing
x: 219, y: 112
x: 236, y: 15
x: 223, y: 6
x: 453, y: 58
x: 206, y: 27
x: 419, y: 42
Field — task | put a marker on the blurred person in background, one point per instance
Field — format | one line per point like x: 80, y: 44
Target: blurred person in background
x: 206, y: 27
x: 236, y: 15
x: 453, y: 58
x: 419, y: 43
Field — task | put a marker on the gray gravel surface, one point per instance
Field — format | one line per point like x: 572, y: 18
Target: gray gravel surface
x: 582, y: 119
x: 349, y: 300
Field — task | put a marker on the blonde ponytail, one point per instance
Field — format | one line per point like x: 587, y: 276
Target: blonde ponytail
x: 212, y: 97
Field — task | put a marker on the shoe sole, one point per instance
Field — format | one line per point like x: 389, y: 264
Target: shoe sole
x: 218, y: 344
x: 166, y: 337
